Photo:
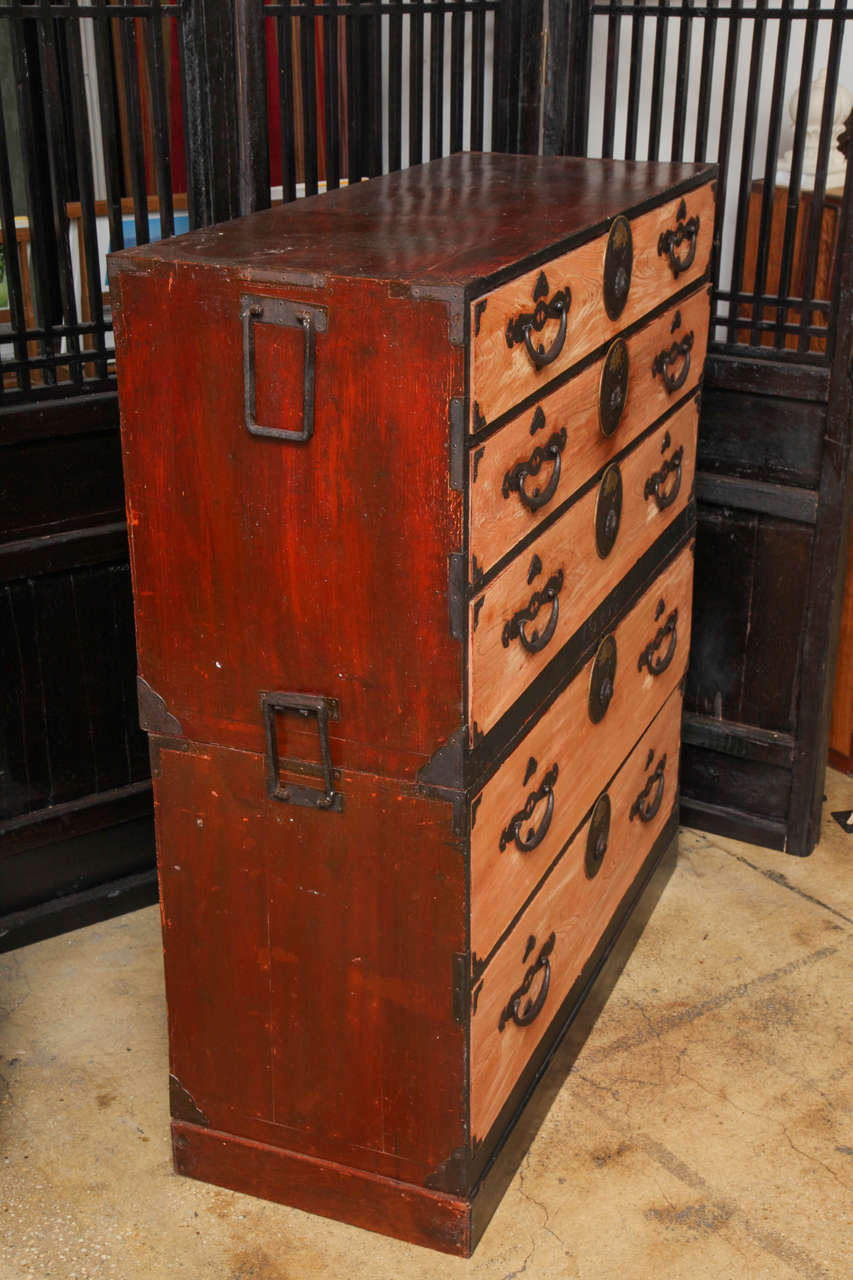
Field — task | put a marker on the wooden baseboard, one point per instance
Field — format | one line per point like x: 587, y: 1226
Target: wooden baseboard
x: 75, y: 910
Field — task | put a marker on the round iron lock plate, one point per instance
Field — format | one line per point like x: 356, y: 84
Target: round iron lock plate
x: 613, y: 391
x: 603, y: 678
x: 597, y: 836
x: 618, y: 265
x: 608, y: 511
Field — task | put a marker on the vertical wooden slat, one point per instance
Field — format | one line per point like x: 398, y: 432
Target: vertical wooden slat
x: 635, y: 79
x: 726, y: 114
x: 160, y: 117
x: 786, y: 258
x: 27, y: 80
x: 252, y: 124
x: 14, y: 288
x: 682, y: 71
x: 436, y: 79
x: 308, y: 82
x: 750, y: 128
x: 416, y: 88
x: 501, y: 77
x: 706, y: 81
x: 826, y: 141
x: 611, y: 83
x: 768, y: 193
x: 136, y: 142
x: 373, y: 84
x: 284, y: 44
x: 60, y: 186
x: 656, y: 111
x: 478, y: 75
x: 109, y: 126
x: 457, y: 77
x: 395, y: 86
x: 331, y: 98
x: 355, y: 111
x: 90, y: 268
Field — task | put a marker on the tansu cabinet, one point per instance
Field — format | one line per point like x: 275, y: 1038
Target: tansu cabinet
x: 409, y: 480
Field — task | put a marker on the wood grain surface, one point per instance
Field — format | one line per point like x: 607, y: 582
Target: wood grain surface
x: 586, y: 754
x: 498, y: 517
x: 501, y: 377
x: 500, y: 672
x: 576, y: 910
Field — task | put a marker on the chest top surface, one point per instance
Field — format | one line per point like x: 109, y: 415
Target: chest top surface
x: 453, y: 222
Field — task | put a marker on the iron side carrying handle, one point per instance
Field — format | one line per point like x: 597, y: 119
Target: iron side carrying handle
x: 255, y: 309
x: 306, y: 704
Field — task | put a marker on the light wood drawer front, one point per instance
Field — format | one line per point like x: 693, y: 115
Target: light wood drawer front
x: 539, y: 459
x: 521, y: 619
x: 505, y: 366
x: 530, y: 807
x: 530, y: 976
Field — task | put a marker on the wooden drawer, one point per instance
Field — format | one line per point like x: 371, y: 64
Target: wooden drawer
x: 521, y: 620
x: 528, y: 810
x: 537, y: 461
x: 530, y: 976
x: 506, y: 366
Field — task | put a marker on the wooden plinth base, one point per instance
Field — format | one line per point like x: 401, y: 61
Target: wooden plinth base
x: 449, y: 1223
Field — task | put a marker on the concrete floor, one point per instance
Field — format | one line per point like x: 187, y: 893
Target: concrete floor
x: 705, y: 1131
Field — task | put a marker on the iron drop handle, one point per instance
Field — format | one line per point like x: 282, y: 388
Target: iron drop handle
x: 536, y: 642
x: 516, y: 476
x: 665, y: 359
x: 643, y: 807
x: 648, y: 658
x: 655, y: 484
x: 256, y: 309
x: 520, y: 328
x: 522, y: 1017
x: 686, y: 231
x: 535, y: 835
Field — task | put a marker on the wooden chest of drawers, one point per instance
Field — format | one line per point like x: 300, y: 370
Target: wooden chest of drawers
x: 409, y: 480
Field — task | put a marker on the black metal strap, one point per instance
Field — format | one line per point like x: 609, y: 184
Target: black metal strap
x: 255, y: 309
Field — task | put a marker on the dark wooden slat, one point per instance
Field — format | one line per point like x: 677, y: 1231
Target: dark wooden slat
x: 132, y: 104
x: 308, y: 82
x: 59, y: 552
x: 109, y: 126
x: 635, y: 81
x: 395, y: 87
x: 679, y: 114
x: 706, y: 80
x: 785, y: 501
x: 160, y: 119
x: 786, y: 261
x: 736, y: 739
x: 374, y: 84
x: 457, y: 77
x: 656, y: 109
x: 761, y: 437
x: 826, y: 141
x: 75, y: 911
x: 768, y: 194
x: 355, y: 108
x: 252, y: 123
x: 501, y: 77
x: 726, y: 114
x: 478, y: 76
x: 286, y: 107
x: 733, y: 823
x: 331, y: 99
x: 726, y: 781
x: 436, y: 80
x: 10, y: 260
x: 611, y: 84
x: 416, y: 87
x: 747, y: 152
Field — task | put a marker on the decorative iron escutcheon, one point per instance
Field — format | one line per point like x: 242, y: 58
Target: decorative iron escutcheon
x: 532, y: 1009
x: 515, y: 627
x: 618, y: 265
x: 535, y: 835
x: 256, y: 309
x: 656, y: 481
x: 514, y: 479
x: 520, y: 328
x: 662, y: 361
x: 608, y: 510
x: 648, y: 658
x: 602, y: 680
x: 613, y: 390
x: 597, y: 836
x: 644, y: 808
x: 669, y: 242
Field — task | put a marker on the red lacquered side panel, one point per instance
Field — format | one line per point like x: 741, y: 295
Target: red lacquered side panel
x: 316, y: 566
x: 309, y: 962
